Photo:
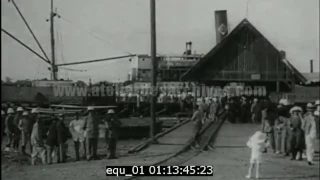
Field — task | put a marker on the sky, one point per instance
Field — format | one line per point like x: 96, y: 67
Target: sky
x: 106, y: 28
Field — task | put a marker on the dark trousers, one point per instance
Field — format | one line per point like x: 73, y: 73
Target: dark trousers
x: 197, y: 135
x: 296, y: 144
x: 1, y: 137
x: 112, y: 146
x: 271, y: 140
x: 92, y: 147
x: 61, y: 153
x: 16, y: 138
x: 25, y: 140
x: 295, y: 152
x: 197, y: 138
x: 10, y: 139
x: 49, y: 153
x: 30, y: 144
x: 77, y: 145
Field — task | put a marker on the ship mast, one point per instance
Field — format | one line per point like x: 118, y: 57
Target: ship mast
x: 153, y: 69
x: 54, y: 68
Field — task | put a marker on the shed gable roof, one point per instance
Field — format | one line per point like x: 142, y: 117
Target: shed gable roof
x: 224, y: 41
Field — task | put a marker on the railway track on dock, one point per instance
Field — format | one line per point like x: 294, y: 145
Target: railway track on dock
x: 186, y: 153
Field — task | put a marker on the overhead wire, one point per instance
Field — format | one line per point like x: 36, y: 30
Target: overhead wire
x: 26, y: 23
x: 60, y: 46
x: 95, y: 35
x: 61, y: 50
x: 24, y: 45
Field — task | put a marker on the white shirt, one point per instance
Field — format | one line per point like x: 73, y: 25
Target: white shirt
x: 76, y: 130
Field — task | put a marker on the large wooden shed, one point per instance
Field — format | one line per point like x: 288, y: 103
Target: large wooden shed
x: 246, y: 56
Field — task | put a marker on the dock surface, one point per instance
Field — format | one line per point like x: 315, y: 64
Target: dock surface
x: 230, y: 159
x: 171, y: 142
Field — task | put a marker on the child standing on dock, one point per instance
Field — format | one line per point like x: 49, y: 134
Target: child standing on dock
x: 258, y: 142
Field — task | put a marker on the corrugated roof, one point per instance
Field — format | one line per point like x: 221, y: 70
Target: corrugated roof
x: 220, y: 45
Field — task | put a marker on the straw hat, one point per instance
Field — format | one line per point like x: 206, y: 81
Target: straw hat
x: 19, y: 109
x: 295, y: 108
x: 258, y: 137
x: 110, y: 111
x: 285, y: 102
x: 310, y: 106
x: 25, y: 113
x: 281, y: 101
x: 255, y: 100
x: 34, y: 110
x: 214, y: 99
x: 10, y: 111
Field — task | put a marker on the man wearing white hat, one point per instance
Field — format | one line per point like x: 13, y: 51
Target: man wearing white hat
x: 10, y: 126
x: 112, y: 124
x: 309, y: 128
x: 91, y: 127
x: 297, y: 136
x: 25, y: 134
x: 3, y: 124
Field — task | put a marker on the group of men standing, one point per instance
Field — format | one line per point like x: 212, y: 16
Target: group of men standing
x: 24, y: 129
x: 290, y: 130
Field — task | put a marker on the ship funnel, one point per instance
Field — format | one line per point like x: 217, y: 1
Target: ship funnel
x: 188, y: 48
x: 221, y: 22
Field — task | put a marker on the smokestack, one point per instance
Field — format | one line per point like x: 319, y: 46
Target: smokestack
x: 311, y: 66
x: 221, y: 22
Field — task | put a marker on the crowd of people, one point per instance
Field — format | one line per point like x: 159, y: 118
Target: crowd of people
x: 289, y: 129
x: 24, y: 129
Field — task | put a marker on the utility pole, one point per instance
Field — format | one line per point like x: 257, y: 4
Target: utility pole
x: 53, y: 61
x: 153, y: 69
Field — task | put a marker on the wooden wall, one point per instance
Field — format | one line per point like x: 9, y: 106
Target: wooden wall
x: 246, y: 53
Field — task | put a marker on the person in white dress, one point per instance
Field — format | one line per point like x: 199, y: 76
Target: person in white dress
x: 258, y: 142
